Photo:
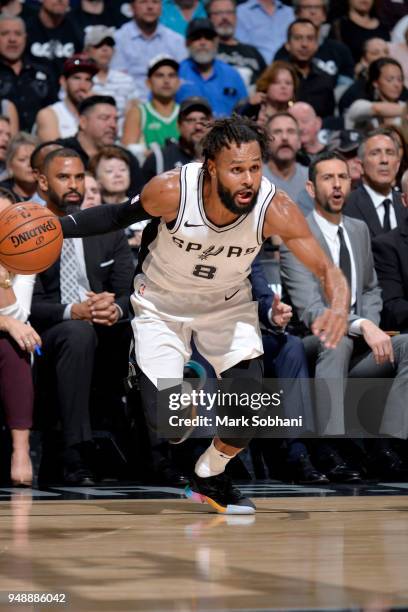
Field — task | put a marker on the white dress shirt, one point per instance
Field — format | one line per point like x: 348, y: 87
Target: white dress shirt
x: 330, y: 232
x: 378, y: 199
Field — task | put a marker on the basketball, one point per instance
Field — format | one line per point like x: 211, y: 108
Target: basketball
x: 30, y: 238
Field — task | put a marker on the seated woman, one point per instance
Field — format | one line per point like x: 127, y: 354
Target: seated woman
x: 17, y: 341
x: 382, y: 104
x: 21, y: 180
x: 275, y: 91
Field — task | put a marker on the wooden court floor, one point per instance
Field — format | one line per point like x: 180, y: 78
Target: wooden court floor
x: 319, y: 553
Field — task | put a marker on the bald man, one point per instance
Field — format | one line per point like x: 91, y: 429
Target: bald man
x: 310, y: 125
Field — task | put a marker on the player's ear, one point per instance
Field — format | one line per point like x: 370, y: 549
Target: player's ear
x: 211, y: 167
x: 310, y: 188
x: 43, y: 182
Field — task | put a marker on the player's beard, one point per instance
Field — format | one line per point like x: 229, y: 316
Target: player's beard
x: 227, y: 198
x: 64, y: 205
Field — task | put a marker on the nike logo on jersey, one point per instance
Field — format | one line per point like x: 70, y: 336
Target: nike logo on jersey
x: 187, y: 224
x: 231, y: 296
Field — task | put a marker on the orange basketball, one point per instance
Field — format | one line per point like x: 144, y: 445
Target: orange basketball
x: 30, y: 238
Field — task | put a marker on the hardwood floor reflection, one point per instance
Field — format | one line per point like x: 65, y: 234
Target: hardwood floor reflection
x: 172, y: 555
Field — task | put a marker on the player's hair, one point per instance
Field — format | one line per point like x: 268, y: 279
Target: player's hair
x: 301, y: 22
x: 322, y: 157
x: 5, y: 118
x: 377, y: 132
x: 232, y: 130
x: 64, y: 152
x: 38, y: 149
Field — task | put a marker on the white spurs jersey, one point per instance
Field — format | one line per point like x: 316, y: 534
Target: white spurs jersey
x: 194, y: 254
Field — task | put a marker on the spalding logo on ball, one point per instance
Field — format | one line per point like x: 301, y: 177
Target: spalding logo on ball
x: 30, y: 238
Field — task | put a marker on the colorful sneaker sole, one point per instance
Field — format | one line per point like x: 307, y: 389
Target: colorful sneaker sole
x: 230, y: 509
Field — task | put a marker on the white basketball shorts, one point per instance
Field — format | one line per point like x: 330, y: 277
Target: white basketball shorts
x: 223, y: 324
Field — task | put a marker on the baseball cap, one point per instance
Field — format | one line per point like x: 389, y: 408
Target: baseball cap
x: 95, y: 35
x: 79, y: 62
x: 159, y: 61
x: 195, y: 103
x: 344, y: 141
x: 200, y: 26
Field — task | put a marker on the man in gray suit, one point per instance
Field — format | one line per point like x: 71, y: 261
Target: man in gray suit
x: 366, y: 351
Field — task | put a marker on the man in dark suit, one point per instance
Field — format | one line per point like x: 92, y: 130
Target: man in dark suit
x: 366, y: 351
x: 80, y: 303
x: 374, y: 201
x: 391, y: 257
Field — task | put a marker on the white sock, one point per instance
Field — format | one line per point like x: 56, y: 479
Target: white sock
x: 212, y: 462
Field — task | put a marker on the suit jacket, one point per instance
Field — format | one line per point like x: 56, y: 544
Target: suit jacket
x: 360, y: 206
x: 109, y: 267
x: 305, y: 290
x: 391, y: 261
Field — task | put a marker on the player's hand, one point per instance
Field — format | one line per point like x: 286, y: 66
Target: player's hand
x: 281, y: 312
x: 81, y: 311
x: 330, y: 327
x: 103, y: 308
x: 378, y: 341
x: 25, y: 335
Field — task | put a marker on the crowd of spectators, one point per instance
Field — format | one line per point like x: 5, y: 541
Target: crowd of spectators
x: 99, y: 96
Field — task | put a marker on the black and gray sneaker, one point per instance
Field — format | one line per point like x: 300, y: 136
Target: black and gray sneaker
x: 219, y: 492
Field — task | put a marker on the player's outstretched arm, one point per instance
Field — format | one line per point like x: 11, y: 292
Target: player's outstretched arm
x: 284, y: 218
x: 159, y: 198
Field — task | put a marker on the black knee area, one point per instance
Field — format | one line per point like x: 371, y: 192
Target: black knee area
x: 246, y: 380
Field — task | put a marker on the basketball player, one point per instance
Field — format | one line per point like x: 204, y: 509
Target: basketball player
x: 211, y: 220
